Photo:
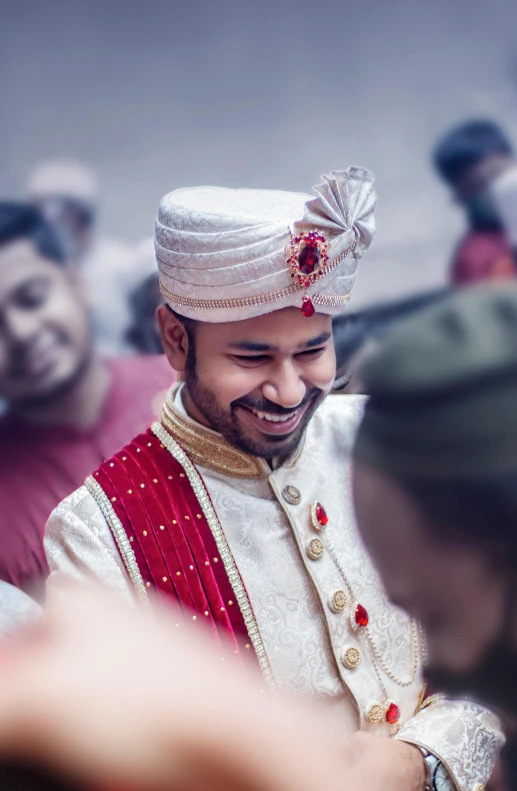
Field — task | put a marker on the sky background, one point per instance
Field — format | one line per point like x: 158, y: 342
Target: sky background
x: 158, y: 95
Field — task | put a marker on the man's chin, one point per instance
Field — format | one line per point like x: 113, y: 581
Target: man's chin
x: 266, y: 446
x: 45, y: 392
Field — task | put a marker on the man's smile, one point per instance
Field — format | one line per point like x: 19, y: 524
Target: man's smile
x: 269, y: 422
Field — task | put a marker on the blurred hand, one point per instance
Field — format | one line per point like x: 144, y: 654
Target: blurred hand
x: 117, y: 697
x: 376, y: 763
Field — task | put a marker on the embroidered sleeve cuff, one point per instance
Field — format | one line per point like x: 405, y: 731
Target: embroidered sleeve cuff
x: 464, y: 736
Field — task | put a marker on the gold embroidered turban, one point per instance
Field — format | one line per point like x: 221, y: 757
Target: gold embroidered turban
x: 228, y: 255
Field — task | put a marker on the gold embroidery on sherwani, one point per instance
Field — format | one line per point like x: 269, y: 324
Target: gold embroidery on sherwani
x: 209, y: 449
x: 119, y: 534
x: 222, y: 545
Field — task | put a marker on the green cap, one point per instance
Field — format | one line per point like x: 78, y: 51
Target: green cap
x: 443, y: 390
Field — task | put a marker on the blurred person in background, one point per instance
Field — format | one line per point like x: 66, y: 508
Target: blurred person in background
x: 470, y: 158
x: 144, y: 334
x: 357, y: 334
x: 67, y: 193
x: 236, y: 503
x: 67, y: 408
x: 435, y: 483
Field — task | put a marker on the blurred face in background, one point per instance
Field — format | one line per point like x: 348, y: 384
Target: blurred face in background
x: 72, y: 219
x: 44, y: 326
x: 472, y: 190
x: 452, y: 587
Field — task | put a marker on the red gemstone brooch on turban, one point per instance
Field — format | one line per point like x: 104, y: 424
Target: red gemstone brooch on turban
x: 308, y: 257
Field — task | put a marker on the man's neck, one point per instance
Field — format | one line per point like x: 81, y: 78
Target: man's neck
x: 80, y: 407
x: 191, y: 409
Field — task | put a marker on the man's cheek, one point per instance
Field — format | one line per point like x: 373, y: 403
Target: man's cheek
x: 323, y: 375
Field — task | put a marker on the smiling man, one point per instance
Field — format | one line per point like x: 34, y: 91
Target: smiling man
x: 66, y: 409
x: 237, y: 503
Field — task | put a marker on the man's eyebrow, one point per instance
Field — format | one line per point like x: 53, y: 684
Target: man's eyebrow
x: 261, y: 348
x: 252, y: 346
x: 317, y: 341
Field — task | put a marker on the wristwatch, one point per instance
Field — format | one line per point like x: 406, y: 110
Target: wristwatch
x: 437, y: 774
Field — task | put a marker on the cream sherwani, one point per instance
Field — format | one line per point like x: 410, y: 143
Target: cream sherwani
x: 304, y: 639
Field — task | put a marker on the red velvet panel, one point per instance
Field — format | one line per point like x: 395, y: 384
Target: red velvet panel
x: 170, y: 536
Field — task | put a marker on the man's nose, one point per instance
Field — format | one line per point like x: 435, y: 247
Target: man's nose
x: 285, y: 387
x: 19, y: 326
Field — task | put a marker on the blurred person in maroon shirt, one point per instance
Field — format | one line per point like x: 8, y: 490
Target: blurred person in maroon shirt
x: 469, y: 159
x: 67, y: 408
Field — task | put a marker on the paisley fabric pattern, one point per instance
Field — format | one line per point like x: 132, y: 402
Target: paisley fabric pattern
x: 466, y: 737
x: 304, y: 639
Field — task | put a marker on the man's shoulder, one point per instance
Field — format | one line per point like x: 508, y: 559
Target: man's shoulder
x: 345, y: 411
x: 78, y: 503
x: 76, y: 521
x: 146, y: 369
x: 122, y: 453
x: 338, y: 419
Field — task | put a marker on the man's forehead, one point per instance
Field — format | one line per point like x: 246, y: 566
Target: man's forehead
x: 20, y: 260
x: 282, y: 329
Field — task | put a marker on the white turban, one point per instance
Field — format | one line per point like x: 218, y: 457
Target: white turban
x: 229, y: 255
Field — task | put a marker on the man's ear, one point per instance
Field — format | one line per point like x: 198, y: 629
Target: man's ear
x: 174, y: 337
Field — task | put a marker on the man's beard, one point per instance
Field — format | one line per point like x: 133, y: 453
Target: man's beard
x: 227, y: 423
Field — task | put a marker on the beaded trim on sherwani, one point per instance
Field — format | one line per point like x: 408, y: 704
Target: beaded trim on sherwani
x: 209, y: 449
x: 115, y: 525
x: 222, y: 545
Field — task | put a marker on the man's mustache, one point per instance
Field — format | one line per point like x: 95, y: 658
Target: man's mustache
x: 264, y: 405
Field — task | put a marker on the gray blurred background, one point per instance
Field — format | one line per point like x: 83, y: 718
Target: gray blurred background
x: 158, y: 95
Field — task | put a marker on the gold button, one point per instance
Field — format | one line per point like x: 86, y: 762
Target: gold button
x: 291, y: 495
x: 338, y: 601
x: 375, y: 713
x: 315, y: 549
x: 351, y: 658
x: 478, y: 787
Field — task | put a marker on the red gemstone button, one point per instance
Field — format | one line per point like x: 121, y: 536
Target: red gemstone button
x: 321, y: 515
x: 308, y: 259
x: 308, y: 309
x: 392, y: 714
x: 361, y: 615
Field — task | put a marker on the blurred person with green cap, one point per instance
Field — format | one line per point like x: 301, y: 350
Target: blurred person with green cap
x: 67, y: 193
x: 435, y: 485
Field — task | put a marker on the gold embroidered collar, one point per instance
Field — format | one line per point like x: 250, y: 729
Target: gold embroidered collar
x: 210, y: 449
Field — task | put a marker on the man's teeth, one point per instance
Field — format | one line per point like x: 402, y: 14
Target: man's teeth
x: 274, y: 418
